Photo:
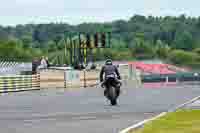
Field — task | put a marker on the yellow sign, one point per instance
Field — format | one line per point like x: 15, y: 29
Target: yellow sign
x: 85, y: 55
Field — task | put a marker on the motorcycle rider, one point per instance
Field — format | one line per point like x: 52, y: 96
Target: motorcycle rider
x: 109, y: 69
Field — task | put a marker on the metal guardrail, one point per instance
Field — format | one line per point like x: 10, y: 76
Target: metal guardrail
x: 180, y: 77
x: 13, y: 83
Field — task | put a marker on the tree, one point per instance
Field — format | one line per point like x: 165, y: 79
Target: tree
x: 3, y: 34
x: 183, y: 40
x: 145, y: 37
x: 27, y: 42
x: 143, y: 49
x: 51, y: 46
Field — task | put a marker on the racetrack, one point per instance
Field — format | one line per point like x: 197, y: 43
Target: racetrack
x: 86, y: 110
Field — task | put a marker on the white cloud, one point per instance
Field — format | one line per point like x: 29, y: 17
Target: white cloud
x: 31, y: 2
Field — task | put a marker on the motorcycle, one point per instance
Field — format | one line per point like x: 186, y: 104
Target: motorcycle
x: 112, y: 90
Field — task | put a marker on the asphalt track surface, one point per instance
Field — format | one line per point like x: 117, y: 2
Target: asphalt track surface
x: 86, y: 110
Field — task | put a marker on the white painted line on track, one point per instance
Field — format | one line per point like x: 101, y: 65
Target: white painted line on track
x: 141, y: 124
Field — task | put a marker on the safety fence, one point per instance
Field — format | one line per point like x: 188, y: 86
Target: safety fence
x: 91, y: 77
x: 12, y: 67
x: 62, y: 78
x: 68, y: 78
x: 14, y: 83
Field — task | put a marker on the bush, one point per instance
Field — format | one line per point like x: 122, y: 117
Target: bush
x: 197, y: 50
x: 181, y: 57
x: 162, y: 51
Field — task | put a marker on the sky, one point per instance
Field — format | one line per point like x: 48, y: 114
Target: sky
x: 13, y: 12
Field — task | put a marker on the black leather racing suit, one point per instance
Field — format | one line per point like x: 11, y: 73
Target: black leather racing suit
x: 110, y: 70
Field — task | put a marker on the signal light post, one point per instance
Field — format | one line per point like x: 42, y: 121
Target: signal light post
x: 96, y: 40
x: 103, y: 40
x: 83, y: 46
x: 109, y: 39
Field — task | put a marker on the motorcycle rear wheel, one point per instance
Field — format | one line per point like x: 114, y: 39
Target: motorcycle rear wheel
x: 113, y: 102
x: 113, y: 97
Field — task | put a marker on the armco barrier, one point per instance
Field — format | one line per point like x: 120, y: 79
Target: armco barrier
x: 179, y: 77
x: 13, y: 83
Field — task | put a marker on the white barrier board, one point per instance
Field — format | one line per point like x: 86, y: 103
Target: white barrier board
x: 72, y: 76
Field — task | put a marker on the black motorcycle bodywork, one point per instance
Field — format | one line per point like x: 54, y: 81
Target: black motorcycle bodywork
x: 112, y: 90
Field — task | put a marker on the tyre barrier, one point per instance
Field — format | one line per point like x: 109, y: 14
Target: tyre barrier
x: 15, y: 83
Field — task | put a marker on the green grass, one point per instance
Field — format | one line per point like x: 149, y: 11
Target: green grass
x: 183, y: 121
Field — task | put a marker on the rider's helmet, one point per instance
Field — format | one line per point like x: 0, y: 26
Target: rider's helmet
x: 108, y: 62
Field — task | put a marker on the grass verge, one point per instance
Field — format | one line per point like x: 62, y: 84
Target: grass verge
x: 182, y: 121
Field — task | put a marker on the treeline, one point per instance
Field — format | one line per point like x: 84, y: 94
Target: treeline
x: 138, y: 38
x: 13, y: 50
